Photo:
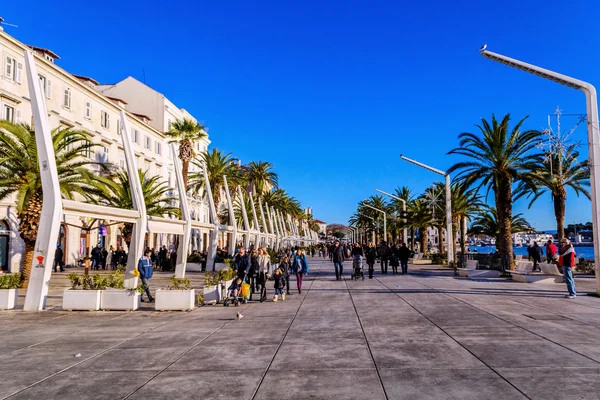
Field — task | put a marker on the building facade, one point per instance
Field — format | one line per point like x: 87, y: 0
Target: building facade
x: 80, y: 102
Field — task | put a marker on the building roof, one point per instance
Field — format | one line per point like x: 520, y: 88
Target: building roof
x: 140, y: 115
x: 43, y: 50
x: 86, y: 78
x: 122, y: 101
x: 318, y: 221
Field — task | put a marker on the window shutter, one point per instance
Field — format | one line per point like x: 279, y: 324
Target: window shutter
x: 7, y: 67
x: 107, y: 121
x: 48, y: 88
x: 20, y: 72
x: 18, y: 117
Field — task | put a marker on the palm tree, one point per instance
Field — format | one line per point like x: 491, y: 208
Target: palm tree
x: 117, y: 193
x: 217, y: 164
x: 554, y: 172
x: 487, y: 223
x: 420, y: 217
x: 435, y: 197
x: 261, y: 176
x: 186, y: 132
x: 497, y: 159
x: 20, y: 175
x: 466, y: 203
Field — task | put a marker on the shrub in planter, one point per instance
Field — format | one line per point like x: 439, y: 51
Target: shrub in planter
x: 9, y: 290
x: 179, y: 295
x: 85, y: 292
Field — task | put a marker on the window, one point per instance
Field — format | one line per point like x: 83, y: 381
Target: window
x: 67, y: 98
x: 136, y: 136
x: 122, y: 162
x: 158, y: 148
x: 13, y: 69
x: 46, y: 86
x: 105, y: 120
x: 119, y: 127
x: 147, y: 142
x: 168, y: 125
x: 87, y: 151
x: 9, y: 113
x: 105, y: 154
x: 88, y: 110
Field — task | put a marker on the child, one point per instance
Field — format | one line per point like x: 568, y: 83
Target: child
x: 286, y: 269
x: 235, y: 287
x: 279, y: 285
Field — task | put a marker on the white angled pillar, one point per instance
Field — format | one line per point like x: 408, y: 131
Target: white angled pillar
x: 182, y: 250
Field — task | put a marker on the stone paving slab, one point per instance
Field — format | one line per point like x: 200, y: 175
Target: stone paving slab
x: 427, y: 335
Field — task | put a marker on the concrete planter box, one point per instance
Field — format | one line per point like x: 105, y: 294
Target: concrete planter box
x: 219, y: 266
x: 175, y: 300
x: 8, y: 298
x: 121, y: 300
x: 81, y: 300
x: 193, y: 267
x: 212, y: 294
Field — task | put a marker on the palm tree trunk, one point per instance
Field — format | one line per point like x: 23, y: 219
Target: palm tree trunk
x: 26, y: 262
x: 559, y: 213
x: 441, y: 237
x: 504, y: 216
x: 423, y: 232
x: 463, y: 234
x: 185, y: 166
x: 412, y: 238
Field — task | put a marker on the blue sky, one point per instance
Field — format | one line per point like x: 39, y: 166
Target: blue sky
x: 331, y: 92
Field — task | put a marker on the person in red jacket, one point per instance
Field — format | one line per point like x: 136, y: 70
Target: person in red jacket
x: 566, y: 254
x: 551, y: 251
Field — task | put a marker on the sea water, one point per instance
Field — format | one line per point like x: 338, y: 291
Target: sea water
x: 580, y: 251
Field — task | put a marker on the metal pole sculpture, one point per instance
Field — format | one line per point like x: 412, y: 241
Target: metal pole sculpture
x: 182, y: 251
x: 45, y: 243
x: 245, y: 218
x: 214, y: 234
x: 232, y: 222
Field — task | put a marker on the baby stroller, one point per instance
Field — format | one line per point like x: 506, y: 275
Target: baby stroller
x: 241, y: 297
x: 357, y: 268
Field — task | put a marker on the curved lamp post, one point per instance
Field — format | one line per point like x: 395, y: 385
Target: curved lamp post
x: 372, y: 219
x: 384, y: 220
x: 591, y: 105
x: 449, y: 234
x: 404, y: 237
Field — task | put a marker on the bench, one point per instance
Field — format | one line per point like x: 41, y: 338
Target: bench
x: 552, y: 270
x: 550, y: 273
x: 471, y: 265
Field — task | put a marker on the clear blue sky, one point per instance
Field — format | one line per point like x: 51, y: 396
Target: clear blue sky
x: 332, y: 92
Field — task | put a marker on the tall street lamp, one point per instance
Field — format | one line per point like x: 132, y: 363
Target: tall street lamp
x: 449, y: 235
x: 404, y: 237
x: 591, y: 105
x: 372, y: 219
x: 384, y: 220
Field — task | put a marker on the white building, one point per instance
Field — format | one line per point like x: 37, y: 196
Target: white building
x: 322, y: 226
x: 79, y: 102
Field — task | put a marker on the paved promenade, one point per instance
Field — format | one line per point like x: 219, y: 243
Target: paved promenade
x: 427, y: 335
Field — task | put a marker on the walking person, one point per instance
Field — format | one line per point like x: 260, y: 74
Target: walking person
x: 551, y: 251
x: 253, y: 278
x: 300, y: 268
x: 58, y: 259
x: 385, y: 253
x: 145, y: 270
x: 337, y: 256
x: 109, y: 257
x: 566, y: 260
x: 104, y: 254
x: 279, y: 285
x: 286, y: 269
x: 394, y: 260
x: 242, y: 263
x: 264, y: 271
x: 403, y: 256
x: 371, y: 254
x: 536, y: 254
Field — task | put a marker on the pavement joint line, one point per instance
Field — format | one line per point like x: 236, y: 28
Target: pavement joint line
x: 451, y: 337
x: 366, y: 340
x: 262, y: 378
x: 522, y: 327
x: 179, y: 358
x: 91, y: 357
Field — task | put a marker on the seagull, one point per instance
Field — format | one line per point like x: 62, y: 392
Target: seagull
x: 238, y: 316
x: 483, y: 47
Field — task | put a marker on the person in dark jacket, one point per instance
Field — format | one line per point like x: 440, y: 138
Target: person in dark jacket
x: 385, y: 253
x: 403, y: 256
x: 242, y: 263
x: 58, y: 259
x: 279, y: 284
x: 394, y: 259
x: 145, y: 270
x: 535, y: 253
x: 338, y: 260
x: 286, y: 270
x: 371, y: 254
